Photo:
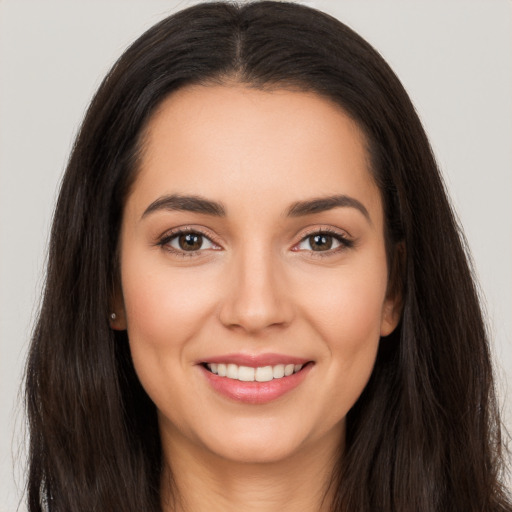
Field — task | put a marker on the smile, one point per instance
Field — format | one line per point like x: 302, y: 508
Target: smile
x: 255, y: 380
x: 250, y: 374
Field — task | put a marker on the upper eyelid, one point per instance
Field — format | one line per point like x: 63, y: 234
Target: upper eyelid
x: 303, y: 233
x: 345, y: 240
x: 164, y: 242
x: 172, y: 233
x: 342, y: 233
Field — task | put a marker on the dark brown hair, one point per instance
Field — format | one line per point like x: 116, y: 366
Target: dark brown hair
x: 425, y: 433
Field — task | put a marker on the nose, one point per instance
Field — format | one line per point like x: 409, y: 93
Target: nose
x: 257, y: 295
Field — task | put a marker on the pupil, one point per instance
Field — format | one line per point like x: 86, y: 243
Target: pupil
x: 190, y: 242
x: 321, y: 242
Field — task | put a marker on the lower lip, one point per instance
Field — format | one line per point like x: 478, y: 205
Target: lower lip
x: 255, y: 392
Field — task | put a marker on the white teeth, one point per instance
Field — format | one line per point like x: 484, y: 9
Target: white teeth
x: 264, y: 374
x: 245, y: 373
x: 249, y: 374
x: 278, y: 371
x: 232, y: 371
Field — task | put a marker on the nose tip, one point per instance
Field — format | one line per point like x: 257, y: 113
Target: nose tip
x: 252, y: 317
x: 256, y: 300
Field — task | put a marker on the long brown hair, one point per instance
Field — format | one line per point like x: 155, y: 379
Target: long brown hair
x: 425, y: 433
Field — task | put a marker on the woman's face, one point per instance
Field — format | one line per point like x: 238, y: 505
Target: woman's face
x: 252, y: 244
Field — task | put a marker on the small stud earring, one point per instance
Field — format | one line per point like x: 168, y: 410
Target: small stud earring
x: 113, y: 316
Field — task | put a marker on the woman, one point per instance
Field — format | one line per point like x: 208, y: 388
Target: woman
x: 257, y: 296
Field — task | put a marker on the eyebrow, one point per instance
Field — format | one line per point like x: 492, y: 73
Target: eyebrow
x: 176, y: 202
x: 196, y: 204
x: 323, y: 204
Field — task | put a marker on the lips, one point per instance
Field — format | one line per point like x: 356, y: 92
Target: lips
x: 255, y: 360
x: 251, y: 374
x: 255, y: 379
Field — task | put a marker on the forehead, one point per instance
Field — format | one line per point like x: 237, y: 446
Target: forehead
x: 229, y: 142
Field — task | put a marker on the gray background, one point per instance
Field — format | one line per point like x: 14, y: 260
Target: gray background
x: 454, y: 58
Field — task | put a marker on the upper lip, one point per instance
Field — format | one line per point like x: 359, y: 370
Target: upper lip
x: 255, y: 360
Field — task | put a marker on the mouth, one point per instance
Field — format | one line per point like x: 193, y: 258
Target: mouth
x: 253, y: 374
x: 255, y: 384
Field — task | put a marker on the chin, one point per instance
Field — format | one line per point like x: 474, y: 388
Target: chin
x: 261, y: 451
x: 265, y: 441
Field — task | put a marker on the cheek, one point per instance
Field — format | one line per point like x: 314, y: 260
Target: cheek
x: 346, y: 311
x: 164, y: 311
x: 346, y: 306
x: 163, y: 306
x: 352, y: 334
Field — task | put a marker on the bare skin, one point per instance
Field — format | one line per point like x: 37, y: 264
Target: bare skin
x: 254, y: 231
x: 206, y: 483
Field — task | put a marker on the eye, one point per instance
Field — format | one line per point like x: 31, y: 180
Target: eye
x: 323, y: 241
x: 187, y: 241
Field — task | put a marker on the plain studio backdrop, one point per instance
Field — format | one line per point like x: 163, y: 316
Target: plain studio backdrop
x: 453, y: 57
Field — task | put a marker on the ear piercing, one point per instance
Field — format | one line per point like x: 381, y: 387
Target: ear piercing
x: 113, y: 316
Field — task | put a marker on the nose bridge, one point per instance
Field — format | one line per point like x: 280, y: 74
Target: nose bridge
x: 257, y: 295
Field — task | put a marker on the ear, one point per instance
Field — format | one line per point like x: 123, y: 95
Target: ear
x: 391, y: 313
x: 393, y: 304
x: 117, y: 313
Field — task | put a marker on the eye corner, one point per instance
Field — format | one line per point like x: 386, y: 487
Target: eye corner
x: 172, y: 242
x: 336, y: 241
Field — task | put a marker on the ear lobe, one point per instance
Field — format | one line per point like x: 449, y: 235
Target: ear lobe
x: 117, y: 314
x: 117, y: 320
x: 391, y: 313
x: 393, y: 305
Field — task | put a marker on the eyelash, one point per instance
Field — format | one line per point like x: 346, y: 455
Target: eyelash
x: 171, y: 235
x: 345, y: 242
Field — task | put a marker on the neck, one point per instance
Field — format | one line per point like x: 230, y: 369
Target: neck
x: 196, y: 480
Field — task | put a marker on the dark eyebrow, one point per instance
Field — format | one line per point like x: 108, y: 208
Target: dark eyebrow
x: 187, y: 204
x: 323, y: 204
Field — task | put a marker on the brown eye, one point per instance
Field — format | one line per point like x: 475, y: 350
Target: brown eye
x: 187, y: 242
x: 320, y: 242
x: 323, y: 241
x: 190, y: 241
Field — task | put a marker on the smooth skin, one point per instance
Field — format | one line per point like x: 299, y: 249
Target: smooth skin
x: 261, y: 276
